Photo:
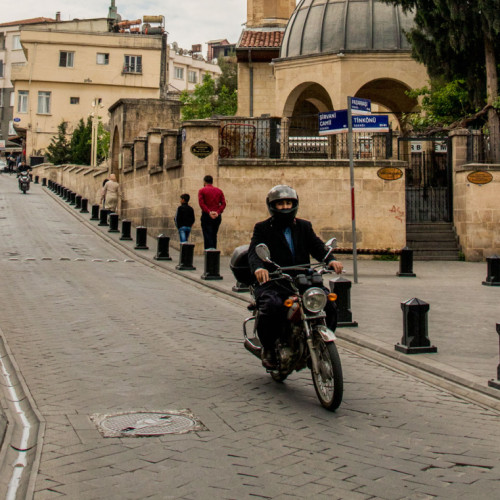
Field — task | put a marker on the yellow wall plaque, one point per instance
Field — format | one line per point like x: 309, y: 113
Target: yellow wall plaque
x: 480, y: 177
x: 390, y: 173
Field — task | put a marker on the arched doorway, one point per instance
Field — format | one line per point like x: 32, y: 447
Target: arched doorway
x: 391, y: 96
x: 115, y: 153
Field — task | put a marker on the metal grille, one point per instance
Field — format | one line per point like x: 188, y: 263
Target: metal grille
x: 428, y: 179
x: 478, y: 147
x: 147, y: 423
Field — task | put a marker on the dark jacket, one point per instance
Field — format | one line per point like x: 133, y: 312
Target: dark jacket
x: 305, y: 242
x: 184, y: 216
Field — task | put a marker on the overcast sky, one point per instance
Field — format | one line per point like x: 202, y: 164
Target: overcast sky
x: 187, y: 21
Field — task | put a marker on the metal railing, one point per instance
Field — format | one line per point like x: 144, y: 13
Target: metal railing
x: 478, y: 147
x: 296, y: 137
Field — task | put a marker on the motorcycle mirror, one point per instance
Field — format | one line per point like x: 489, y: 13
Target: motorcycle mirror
x: 332, y: 243
x: 263, y: 252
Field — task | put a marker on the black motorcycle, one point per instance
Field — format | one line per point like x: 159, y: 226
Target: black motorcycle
x: 24, y: 181
x: 306, y: 341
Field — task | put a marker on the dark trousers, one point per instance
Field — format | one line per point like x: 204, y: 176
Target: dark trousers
x: 210, y: 228
x: 271, y: 322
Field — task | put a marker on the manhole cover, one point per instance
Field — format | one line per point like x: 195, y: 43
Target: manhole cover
x: 147, y: 423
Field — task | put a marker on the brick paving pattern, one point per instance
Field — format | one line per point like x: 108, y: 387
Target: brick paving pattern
x: 96, y: 334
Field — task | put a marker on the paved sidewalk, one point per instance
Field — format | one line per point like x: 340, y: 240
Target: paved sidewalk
x: 461, y: 321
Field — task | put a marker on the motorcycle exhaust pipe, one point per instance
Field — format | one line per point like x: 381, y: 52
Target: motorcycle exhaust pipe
x: 253, y: 346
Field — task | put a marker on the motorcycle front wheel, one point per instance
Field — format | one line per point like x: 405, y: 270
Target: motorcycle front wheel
x: 329, y: 382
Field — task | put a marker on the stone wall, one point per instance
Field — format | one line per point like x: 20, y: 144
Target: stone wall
x: 477, y: 212
x: 151, y: 192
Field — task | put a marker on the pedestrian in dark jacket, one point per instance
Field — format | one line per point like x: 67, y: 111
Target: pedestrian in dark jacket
x: 184, y: 218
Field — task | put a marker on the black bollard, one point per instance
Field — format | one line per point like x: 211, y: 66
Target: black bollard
x: 78, y: 201
x: 415, y: 339
x: 67, y: 196
x: 141, y: 237
x: 493, y: 274
x: 186, y: 258
x: 36, y: 179
x: 113, y: 223
x: 496, y: 383
x: 44, y: 181
x: 85, y: 206
x: 406, y: 263
x: 62, y: 194
x: 103, y: 217
x: 72, y: 198
x: 212, y: 265
x: 342, y: 287
x: 162, y: 252
x: 126, y: 230
x: 95, y: 212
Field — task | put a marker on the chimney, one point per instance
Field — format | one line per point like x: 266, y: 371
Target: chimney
x: 58, y: 16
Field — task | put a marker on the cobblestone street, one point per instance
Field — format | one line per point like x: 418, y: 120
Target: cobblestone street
x: 94, y: 332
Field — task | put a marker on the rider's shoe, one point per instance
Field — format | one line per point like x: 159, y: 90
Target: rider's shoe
x: 268, y: 358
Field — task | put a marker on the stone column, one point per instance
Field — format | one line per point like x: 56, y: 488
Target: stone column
x: 153, y: 145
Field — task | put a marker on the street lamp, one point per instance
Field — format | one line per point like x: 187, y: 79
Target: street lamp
x: 96, y: 105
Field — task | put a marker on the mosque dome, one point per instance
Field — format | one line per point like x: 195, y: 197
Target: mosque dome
x: 340, y: 26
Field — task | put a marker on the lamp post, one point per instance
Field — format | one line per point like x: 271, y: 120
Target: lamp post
x: 96, y: 104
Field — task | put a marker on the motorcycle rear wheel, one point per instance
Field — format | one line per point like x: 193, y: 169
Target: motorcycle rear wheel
x: 329, y: 382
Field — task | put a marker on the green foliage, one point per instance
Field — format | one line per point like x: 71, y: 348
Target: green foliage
x: 81, y: 143
x: 77, y: 150
x: 229, y: 75
x: 442, y: 104
x: 58, y: 151
x: 205, y: 101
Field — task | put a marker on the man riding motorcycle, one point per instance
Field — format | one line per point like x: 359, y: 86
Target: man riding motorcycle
x: 291, y: 241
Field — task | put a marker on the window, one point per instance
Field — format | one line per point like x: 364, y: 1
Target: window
x: 22, y: 101
x: 66, y: 59
x: 2, y: 41
x: 102, y: 58
x: 44, y: 103
x: 16, y: 42
x: 192, y: 77
x: 133, y: 64
x: 74, y: 100
x: 179, y: 73
x: 1, y: 68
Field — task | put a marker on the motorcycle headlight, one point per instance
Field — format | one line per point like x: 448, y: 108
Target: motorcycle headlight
x: 314, y: 300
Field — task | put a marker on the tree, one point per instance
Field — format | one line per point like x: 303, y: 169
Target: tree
x: 80, y: 142
x: 460, y: 39
x: 58, y: 151
x: 229, y: 75
x: 206, y: 101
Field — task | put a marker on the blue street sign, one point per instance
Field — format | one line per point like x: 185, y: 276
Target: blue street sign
x: 373, y: 123
x: 360, y: 106
x: 17, y: 119
x: 333, y: 122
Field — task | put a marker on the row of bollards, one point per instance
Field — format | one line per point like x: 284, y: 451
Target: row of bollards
x: 111, y: 220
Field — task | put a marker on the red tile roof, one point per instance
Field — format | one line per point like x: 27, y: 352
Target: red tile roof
x: 264, y: 39
x: 34, y: 20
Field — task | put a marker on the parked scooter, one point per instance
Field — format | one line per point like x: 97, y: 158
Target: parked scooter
x: 307, y: 341
x: 24, y: 180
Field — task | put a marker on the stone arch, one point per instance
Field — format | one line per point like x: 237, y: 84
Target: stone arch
x: 115, y: 153
x: 391, y: 94
x: 302, y: 108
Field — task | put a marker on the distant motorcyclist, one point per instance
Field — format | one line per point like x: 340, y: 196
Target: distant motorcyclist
x: 22, y: 167
x: 291, y: 241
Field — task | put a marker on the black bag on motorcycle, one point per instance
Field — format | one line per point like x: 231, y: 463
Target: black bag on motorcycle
x: 240, y: 267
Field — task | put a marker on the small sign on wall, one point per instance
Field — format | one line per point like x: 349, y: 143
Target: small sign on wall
x: 480, y: 177
x: 390, y: 173
x: 202, y: 149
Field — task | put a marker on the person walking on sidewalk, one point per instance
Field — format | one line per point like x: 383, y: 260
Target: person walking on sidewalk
x: 212, y: 204
x: 184, y: 218
x: 111, y: 192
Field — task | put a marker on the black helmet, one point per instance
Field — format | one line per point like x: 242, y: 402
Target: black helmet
x: 282, y: 192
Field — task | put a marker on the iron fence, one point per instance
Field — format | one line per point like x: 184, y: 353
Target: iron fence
x: 296, y: 137
x: 478, y: 147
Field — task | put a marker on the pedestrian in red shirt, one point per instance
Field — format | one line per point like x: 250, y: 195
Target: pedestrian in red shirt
x: 212, y: 204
